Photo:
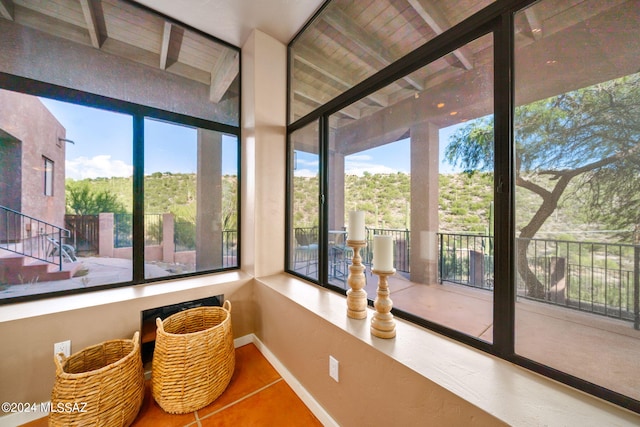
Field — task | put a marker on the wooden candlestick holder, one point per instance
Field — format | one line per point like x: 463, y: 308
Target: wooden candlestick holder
x: 356, y: 296
x: 382, y: 323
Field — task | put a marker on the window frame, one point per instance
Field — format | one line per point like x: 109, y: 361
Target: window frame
x: 497, y: 18
x: 138, y: 113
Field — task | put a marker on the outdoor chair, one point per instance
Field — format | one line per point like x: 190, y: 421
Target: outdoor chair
x: 306, y: 252
x: 68, y: 251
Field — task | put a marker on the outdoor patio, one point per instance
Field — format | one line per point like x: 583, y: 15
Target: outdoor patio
x: 597, y: 348
x: 96, y: 271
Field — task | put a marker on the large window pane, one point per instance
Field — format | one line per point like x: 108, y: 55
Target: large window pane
x: 404, y: 166
x: 191, y: 209
x: 577, y: 123
x: 305, y: 207
x: 65, y: 237
x: 352, y: 40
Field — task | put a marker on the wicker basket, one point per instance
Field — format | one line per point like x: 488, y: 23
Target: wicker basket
x: 102, y: 385
x: 194, y: 358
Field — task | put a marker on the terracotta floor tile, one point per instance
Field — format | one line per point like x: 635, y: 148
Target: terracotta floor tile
x: 276, y: 405
x: 251, y: 373
x: 270, y: 401
x: 151, y: 414
x: 40, y: 422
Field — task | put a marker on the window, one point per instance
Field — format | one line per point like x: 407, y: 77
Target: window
x: 149, y: 187
x: 512, y: 203
x: 191, y: 199
x: 576, y: 195
x: 305, y: 201
x: 393, y: 164
x: 48, y: 177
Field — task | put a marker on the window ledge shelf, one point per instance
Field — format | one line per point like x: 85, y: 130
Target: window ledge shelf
x: 506, y: 391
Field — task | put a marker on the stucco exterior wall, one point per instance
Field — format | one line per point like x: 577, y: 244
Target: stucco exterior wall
x: 38, y: 133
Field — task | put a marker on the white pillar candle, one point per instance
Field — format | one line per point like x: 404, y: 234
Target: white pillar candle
x: 382, y: 253
x: 355, y: 227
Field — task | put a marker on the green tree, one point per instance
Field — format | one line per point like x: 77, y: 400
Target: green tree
x: 82, y: 199
x: 591, y: 134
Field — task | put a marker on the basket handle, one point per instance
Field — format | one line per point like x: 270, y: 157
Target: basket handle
x: 136, y: 339
x: 227, y: 305
x: 59, y: 360
x: 159, y: 324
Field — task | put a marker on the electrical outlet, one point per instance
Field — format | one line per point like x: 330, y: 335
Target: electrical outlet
x: 63, y: 347
x: 333, y: 368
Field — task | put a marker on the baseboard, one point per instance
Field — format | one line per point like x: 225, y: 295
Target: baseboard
x: 317, y: 410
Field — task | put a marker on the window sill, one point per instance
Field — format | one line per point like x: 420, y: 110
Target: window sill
x: 506, y: 391
x: 23, y: 310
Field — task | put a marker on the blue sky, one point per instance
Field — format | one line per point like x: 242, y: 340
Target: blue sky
x: 103, y: 148
x: 103, y: 144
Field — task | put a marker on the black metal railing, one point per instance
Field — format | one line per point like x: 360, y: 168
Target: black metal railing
x: 595, y: 277
x: 184, y: 235
x: 229, y: 248
x: 32, y: 237
x: 401, y: 248
x: 123, y: 230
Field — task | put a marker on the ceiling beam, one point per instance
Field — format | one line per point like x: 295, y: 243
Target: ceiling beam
x: 223, y: 73
x: 92, y: 16
x: 432, y: 16
x: 314, y: 60
x: 535, y: 26
x: 6, y: 9
x: 314, y: 95
x: 370, y: 45
x: 164, y: 47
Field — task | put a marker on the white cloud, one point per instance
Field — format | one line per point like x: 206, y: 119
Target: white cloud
x: 359, y: 158
x: 358, y: 165
x: 305, y: 162
x: 97, y: 166
x: 306, y: 173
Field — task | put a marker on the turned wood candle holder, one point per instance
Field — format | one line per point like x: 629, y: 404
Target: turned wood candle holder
x: 356, y: 296
x: 382, y: 323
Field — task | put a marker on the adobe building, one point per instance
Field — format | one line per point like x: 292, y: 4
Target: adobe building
x: 32, y: 156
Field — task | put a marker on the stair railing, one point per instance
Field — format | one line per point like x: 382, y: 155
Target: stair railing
x: 31, y: 237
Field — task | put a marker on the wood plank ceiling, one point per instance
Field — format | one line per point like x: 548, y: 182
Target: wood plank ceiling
x: 126, y: 30
x: 350, y: 41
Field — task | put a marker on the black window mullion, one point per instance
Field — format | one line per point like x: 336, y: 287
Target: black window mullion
x: 323, y: 137
x: 138, y: 198
x: 504, y: 182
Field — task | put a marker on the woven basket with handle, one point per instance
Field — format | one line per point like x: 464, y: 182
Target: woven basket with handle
x: 194, y: 358
x: 102, y: 385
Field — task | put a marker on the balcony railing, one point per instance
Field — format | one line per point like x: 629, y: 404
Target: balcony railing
x: 595, y: 277
x: 600, y: 278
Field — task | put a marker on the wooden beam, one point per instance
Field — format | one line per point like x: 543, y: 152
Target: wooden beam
x: 432, y: 16
x: 164, y: 47
x: 314, y: 95
x: 535, y: 26
x: 92, y: 16
x: 224, y: 72
x: 370, y: 45
x: 316, y: 61
x: 6, y: 9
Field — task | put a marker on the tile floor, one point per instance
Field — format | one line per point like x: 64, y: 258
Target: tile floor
x: 256, y: 396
